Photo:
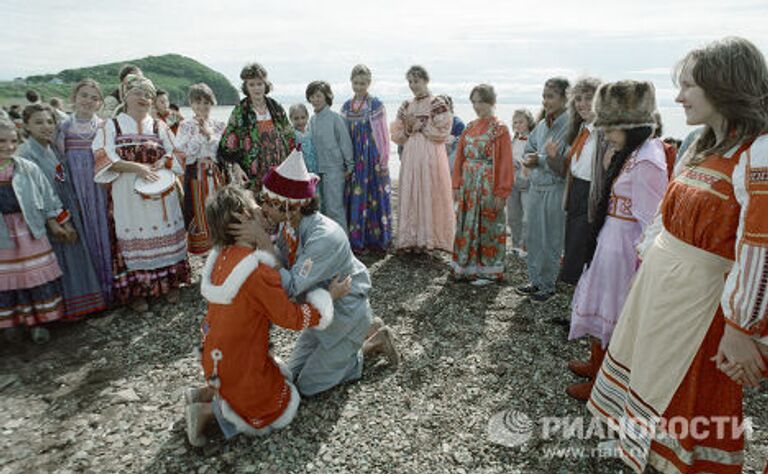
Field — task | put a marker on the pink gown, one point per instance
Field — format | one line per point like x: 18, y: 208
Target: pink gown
x: 603, y: 287
x: 425, y: 211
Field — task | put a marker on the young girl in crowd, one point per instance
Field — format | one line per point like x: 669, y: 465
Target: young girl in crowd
x: 522, y: 124
x: 456, y: 130
x: 198, y: 140
x: 299, y: 116
x: 30, y: 276
x: 697, y: 303
x: 368, y: 190
x: 635, y: 180
x: 113, y: 102
x: 245, y: 296
x: 161, y: 111
x: 482, y: 180
x: 333, y: 149
x: 81, y: 287
x: 425, y: 218
x: 546, y: 219
x: 149, y: 243
x: 583, y: 143
x: 74, y: 139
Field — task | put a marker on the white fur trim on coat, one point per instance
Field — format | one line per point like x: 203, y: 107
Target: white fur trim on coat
x: 281, y: 422
x: 323, y: 303
x: 226, y: 292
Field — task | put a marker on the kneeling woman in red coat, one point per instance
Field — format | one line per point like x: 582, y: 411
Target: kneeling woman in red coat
x: 247, y: 390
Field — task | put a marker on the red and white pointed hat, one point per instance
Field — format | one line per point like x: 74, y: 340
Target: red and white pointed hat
x: 290, y: 181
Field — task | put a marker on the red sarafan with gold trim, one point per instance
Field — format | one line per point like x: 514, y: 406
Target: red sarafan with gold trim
x: 714, y: 253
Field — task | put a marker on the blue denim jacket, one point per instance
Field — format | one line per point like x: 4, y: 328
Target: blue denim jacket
x: 37, y: 200
x: 542, y: 175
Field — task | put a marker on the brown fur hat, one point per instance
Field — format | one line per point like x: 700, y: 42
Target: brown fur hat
x: 625, y: 104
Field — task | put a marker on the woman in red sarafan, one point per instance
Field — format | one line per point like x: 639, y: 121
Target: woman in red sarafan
x: 694, y: 327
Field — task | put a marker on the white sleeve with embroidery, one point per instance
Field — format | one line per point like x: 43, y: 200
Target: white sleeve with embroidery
x: 745, y: 298
x: 104, y: 152
x: 167, y: 138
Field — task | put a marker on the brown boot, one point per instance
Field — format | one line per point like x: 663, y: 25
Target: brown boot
x: 598, y: 354
x: 581, y: 368
x: 580, y: 391
x: 589, y: 369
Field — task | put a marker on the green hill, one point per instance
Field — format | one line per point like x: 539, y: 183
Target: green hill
x: 172, y: 72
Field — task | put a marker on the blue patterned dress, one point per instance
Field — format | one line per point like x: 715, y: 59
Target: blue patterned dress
x: 368, y: 189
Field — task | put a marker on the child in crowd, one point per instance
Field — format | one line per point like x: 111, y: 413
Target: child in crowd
x: 161, y: 111
x: 546, y: 218
x: 73, y: 141
x: 175, y: 118
x: 198, y: 141
x: 368, y: 190
x: 299, y: 116
x: 456, y: 129
x: 82, y: 291
x: 30, y: 276
x: 113, y: 102
x: 58, y: 109
x: 333, y: 148
x: 244, y: 295
x: 33, y: 97
x: 522, y: 124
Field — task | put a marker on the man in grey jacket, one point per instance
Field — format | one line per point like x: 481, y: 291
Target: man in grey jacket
x: 314, y: 250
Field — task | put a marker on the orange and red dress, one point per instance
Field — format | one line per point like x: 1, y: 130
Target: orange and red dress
x: 707, y: 268
x: 244, y: 294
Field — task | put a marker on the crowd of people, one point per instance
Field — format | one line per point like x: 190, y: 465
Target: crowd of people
x: 664, y: 241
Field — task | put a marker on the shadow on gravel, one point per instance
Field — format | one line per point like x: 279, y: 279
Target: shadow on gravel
x: 85, y: 358
x: 303, y: 442
x: 405, y: 280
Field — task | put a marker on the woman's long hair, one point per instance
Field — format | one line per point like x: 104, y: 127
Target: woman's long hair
x: 635, y: 138
x: 734, y: 77
x: 586, y: 85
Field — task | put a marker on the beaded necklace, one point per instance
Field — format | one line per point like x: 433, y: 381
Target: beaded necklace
x: 363, y: 101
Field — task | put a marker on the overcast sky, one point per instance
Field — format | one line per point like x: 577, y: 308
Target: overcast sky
x: 513, y: 45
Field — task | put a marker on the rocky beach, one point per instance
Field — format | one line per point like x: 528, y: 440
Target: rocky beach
x: 105, y: 395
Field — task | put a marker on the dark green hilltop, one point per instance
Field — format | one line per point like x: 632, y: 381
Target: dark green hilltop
x: 172, y: 72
